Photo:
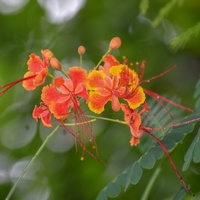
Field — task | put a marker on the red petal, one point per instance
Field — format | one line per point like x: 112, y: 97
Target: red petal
x: 59, y: 110
x: 111, y: 60
x: 29, y: 83
x: 41, y: 76
x: 49, y: 93
x: 34, y: 63
x: 77, y: 74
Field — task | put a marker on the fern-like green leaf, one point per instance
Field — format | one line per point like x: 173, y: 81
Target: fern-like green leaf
x: 180, y: 194
x: 133, y: 173
x: 197, y: 96
x: 193, y: 153
x: 144, y: 5
x: 181, y: 40
x: 165, y: 11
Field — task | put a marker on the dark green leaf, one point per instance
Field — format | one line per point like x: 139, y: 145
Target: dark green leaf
x: 193, y: 152
x: 196, y: 157
x: 180, y: 194
x: 102, y: 196
x: 134, y: 174
x: 113, y: 189
x: 147, y: 161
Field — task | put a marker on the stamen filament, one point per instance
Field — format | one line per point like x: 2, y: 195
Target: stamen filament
x: 7, y: 86
x: 170, y: 159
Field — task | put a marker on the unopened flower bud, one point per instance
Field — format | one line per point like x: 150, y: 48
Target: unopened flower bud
x: 115, y: 43
x: 55, y: 64
x: 81, y: 50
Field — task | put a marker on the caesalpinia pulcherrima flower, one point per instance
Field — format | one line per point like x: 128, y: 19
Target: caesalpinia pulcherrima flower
x: 37, y: 72
x: 38, y: 69
x: 63, y: 93
x: 42, y: 112
x: 133, y: 118
x: 112, y: 82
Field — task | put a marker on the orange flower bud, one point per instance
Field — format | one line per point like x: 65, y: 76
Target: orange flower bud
x: 81, y: 50
x: 115, y: 43
x: 55, y: 64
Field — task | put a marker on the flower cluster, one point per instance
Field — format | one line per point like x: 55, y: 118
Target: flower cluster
x: 110, y: 81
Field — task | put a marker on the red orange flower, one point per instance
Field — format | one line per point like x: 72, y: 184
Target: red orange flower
x: 63, y: 93
x: 43, y: 113
x: 133, y: 119
x: 37, y: 67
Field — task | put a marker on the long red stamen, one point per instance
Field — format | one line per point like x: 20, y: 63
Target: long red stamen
x: 7, y: 86
x: 86, y: 128
x: 170, y: 159
x: 158, y: 76
x: 79, y: 141
x: 157, y: 96
x: 142, y: 66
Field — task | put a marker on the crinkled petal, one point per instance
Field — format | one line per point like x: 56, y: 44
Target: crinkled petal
x: 34, y: 63
x: 47, y: 55
x: 29, y: 83
x: 43, y: 113
x: 134, y: 141
x: 59, y: 110
x: 108, y: 82
x: 49, y: 94
x: 111, y: 60
x: 135, y: 123
x: 104, y: 92
x: 81, y: 91
x: 137, y: 99
x: 77, y: 74
x: 96, y: 102
x: 95, y: 79
x: 115, y: 103
x: 41, y: 76
x: 58, y: 81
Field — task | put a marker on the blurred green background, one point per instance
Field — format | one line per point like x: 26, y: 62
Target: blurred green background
x: 29, y: 26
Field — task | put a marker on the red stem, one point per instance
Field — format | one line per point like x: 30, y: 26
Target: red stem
x: 157, y: 96
x: 11, y: 84
x: 173, y: 125
x: 159, y: 75
x: 170, y: 159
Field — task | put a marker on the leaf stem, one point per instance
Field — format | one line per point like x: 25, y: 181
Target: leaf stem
x: 108, y: 119
x: 108, y: 51
x: 151, y: 183
x: 30, y: 163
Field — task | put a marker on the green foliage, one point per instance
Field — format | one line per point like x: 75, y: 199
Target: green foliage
x: 165, y: 11
x: 181, y: 40
x: 133, y: 173
x: 144, y: 5
x: 193, y: 152
x: 24, y: 32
